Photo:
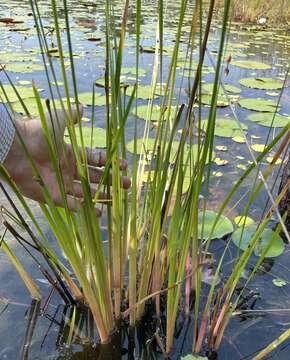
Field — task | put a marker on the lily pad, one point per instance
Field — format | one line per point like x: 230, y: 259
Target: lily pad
x: 98, y: 136
x: 221, y: 148
x: 226, y: 127
x: 24, y: 92
x: 279, y: 282
x: 141, y: 146
x: 239, y: 139
x: 249, y: 64
x: 24, y: 67
x: 142, y: 110
x: 243, y: 235
x: 267, y: 119
x: 222, y: 101
x: 220, y: 162
x: 144, y: 92
x: 258, y: 147
x: 262, y: 83
x: 87, y: 99
x: 193, y: 357
x: 262, y: 105
x: 243, y: 220
x: 31, y: 106
x: 228, y: 87
x: 132, y: 70
x: 222, y: 228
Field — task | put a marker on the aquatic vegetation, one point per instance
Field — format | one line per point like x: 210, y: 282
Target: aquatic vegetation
x: 269, y: 241
x: 250, y: 64
x: 263, y: 105
x: 261, y: 83
x: 227, y: 127
x: 159, y: 233
x: 207, y: 221
x: 269, y: 120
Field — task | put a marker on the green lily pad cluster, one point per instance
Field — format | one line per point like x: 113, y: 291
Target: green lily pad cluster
x: 262, y: 83
x: 228, y: 87
x: 95, y: 138
x: 206, y: 99
x: 145, y: 91
x: 87, y: 99
x: 226, y: 127
x: 206, y: 222
x: 262, y: 105
x: 249, y: 64
x: 243, y: 236
x: 24, y: 93
x: 269, y: 119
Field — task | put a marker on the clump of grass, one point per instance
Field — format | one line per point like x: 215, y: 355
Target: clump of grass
x: 276, y: 12
x: 161, y: 246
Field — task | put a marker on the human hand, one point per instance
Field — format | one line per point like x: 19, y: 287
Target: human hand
x: 20, y: 169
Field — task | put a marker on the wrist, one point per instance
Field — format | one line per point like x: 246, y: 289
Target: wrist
x: 14, y: 156
x: 7, y: 134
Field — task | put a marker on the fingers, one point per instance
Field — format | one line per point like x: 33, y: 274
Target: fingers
x: 74, y: 205
x: 98, y: 158
x: 96, y: 175
x: 76, y: 190
x: 74, y: 202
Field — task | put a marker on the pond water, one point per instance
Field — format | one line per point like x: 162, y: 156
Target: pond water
x: 268, y: 49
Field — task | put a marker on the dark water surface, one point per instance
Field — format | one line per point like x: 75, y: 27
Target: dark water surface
x: 245, y: 335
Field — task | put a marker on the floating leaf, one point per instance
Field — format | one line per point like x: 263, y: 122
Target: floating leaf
x: 142, y: 111
x: 267, y: 119
x: 24, y: 82
x: 243, y: 235
x: 132, y: 70
x: 228, y: 87
x: 221, y: 147
x: 279, y: 282
x: 239, y: 139
x: 271, y: 158
x: 87, y: 99
x: 249, y: 64
x: 24, y: 92
x: 98, y: 136
x: 243, y: 220
x: 258, y: 147
x: 242, y: 167
x: 144, y: 92
x: 222, y: 101
x: 141, y: 146
x: 222, y: 228
x: 193, y: 357
x: 226, y: 127
x: 31, y: 106
x: 220, y: 162
x: 262, y: 83
x: 272, y: 93
x: 24, y: 67
x: 258, y: 104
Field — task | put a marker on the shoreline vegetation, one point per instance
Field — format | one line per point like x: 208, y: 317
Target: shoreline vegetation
x: 261, y: 12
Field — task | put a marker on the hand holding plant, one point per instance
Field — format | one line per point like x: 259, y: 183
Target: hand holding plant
x: 19, y: 166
